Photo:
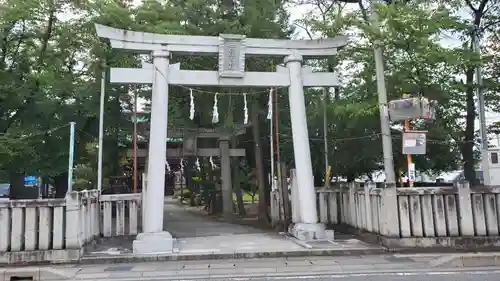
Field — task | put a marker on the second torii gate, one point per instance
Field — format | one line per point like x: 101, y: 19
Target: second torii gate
x: 232, y: 50
x: 190, y: 148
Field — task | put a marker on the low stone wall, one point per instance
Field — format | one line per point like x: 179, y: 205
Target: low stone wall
x: 47, y: 229
x: 120, y: 214
x: 56, y: 230
x: 416, y: 217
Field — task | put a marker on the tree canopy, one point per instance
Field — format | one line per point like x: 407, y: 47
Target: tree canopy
x: 51, y: 63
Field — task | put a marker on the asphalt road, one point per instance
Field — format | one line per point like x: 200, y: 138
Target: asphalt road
x: 454, y: 277
x: 400, y: 276
x: 446, y: 276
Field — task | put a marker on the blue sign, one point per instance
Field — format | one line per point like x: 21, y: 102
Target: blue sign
x: 30, y: 181
x: 4, y: 189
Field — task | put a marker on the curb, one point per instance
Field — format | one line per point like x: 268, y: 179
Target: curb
x: 468, y: 260
x: 316, y: 275
x: 264, y: 273
x: 221, y: 256
x: 34, y: 273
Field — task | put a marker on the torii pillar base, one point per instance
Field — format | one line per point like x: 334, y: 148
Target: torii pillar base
x: 310, y: 232
x: 153, y: 243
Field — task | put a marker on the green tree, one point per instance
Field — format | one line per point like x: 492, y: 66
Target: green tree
x: 416, y: 63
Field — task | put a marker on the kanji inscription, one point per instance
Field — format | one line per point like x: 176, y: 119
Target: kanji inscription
x: 231, y: 56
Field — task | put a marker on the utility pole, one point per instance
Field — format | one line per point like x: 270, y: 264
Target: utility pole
x: 325, y: 128
x: 71, y: 157
x: 101, y: 132
x: 485, y: 161
x: 383, y: 105
x: 134, y: 141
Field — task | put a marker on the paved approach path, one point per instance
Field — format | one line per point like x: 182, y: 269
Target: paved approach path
x: 204, y: 235
x: 182, y: 223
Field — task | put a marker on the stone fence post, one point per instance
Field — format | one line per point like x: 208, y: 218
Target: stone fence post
x: 368, y: 207
x: 73, y: 232
x: 389, y: 218
x: 466, y: 220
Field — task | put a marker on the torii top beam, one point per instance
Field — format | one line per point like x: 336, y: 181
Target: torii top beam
x: 145, y: 42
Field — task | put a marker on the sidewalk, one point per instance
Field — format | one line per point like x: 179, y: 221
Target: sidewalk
x: 219, y: 269
x: 204, y: 238
x: 238, y: 246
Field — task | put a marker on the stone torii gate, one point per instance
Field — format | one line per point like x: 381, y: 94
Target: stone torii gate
x: 190, y: 138
x: 232, y: 50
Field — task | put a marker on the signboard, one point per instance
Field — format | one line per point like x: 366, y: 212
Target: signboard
x: 175, y: 140
x: 4, y: 189
x: 30, y: 181
x: 404, y: 109
x: 414, y: 143
x: 412, y: 108
x: 231, y: 56
x: 411, y: 172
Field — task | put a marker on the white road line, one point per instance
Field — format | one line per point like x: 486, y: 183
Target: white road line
x: 291, y: 276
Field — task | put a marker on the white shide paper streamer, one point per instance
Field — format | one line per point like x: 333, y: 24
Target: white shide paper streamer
x: 168, y: 166
x: 245, y: 109
x: 191, y: 105
x: 211, y: 161
x: 270, y: 105
x: 197, y: 164
x: 215, y: 112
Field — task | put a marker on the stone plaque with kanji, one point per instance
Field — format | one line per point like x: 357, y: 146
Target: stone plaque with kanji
x: 232, y: 56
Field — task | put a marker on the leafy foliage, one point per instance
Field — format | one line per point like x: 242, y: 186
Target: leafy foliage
x: 51, y: 63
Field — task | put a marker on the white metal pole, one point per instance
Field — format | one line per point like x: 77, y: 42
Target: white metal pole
x: 271, y: 139
x: 325, y: 128
x: 71, y: 155
x: 101, y: 132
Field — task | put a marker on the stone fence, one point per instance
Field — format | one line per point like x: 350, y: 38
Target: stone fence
x: 57, y: 230
x: 416, y: 217
x: 120, y: 214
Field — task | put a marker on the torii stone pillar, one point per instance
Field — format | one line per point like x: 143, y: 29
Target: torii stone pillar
x: 308, y: 228
x: 154, y: 239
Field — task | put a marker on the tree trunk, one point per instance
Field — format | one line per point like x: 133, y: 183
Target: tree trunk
x: 350, y: 178
x: 469, y: 140
x: 318, y: 177
x: 61, y: 184
x: 263, y: 202
x: 17, y: 189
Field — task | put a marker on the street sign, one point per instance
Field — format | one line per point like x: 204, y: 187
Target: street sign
x: 414, y: 142
x: 412, y: 108
x: 411, y: 172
